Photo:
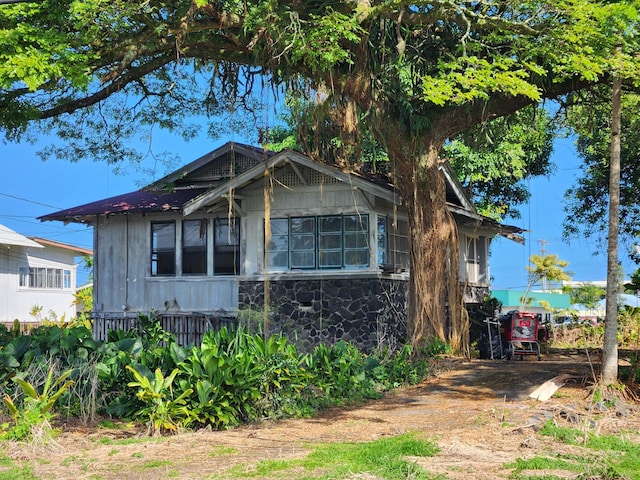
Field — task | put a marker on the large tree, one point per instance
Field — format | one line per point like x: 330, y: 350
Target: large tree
x: 589, y: 116
x: 420, y: 73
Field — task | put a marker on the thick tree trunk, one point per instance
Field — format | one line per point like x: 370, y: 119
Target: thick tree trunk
x: 435, y: 300
x: 609, y: 374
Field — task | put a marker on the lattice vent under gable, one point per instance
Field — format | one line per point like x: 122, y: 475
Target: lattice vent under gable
x: 290, y: 178
x: 231, y: 164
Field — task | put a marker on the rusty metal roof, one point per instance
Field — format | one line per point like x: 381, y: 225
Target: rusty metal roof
x: 134, y: 202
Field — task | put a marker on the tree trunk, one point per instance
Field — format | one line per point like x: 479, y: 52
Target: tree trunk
x: 609, y: 374
x: 435, y: 301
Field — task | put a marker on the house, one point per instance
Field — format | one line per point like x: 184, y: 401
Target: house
x: 37, y: 278
x: 331, y: 259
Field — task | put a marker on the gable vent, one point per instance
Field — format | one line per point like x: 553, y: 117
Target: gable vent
x: 288, y: 177
x: 224, y: 168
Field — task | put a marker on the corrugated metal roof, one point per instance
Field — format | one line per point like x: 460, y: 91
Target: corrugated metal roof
x: 134, y: 202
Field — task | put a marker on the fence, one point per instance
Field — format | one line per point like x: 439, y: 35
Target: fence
x: 189, y: 328
x: 24, y: 327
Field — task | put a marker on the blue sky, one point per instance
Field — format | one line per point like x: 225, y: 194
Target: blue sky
x: 32, y: 188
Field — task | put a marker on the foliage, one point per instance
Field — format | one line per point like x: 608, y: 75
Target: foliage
x: 163, y: 411
x: 493, y: 160
x: 547, y: 267
x: 612, y: 457
x: 233, y: 377
x: 586, y: 294
x: 35, y: 412
x: 100, y: 73
x: 340, y: 373
x: 587, y: 202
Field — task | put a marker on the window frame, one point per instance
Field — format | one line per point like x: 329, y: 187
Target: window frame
x: 224, y: 250
x: 45, y: 278
x: 197, y: 253
x: 320, y: 242
x: 393, y: 242
x: 170, y: 252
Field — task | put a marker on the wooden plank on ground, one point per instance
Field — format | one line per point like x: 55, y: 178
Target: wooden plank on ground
x: 548, y: 388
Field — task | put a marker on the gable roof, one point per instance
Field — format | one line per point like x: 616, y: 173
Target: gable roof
x: 65, y: 246
x: 135, y: 202
x: 210, y: 178
x: 8, y: 237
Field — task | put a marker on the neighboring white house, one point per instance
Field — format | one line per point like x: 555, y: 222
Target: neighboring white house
x: 333, y: 250
x: 36, y: 274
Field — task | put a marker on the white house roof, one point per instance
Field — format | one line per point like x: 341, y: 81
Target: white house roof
x: 9, y: 237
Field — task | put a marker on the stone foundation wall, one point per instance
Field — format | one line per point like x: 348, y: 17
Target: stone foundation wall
x: 366, y: 312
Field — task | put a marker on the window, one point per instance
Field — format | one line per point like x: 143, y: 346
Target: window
x: 194, y: 247
x: 393, y: 242
x: 163, y: 248
x: 278, y: 247
x: 226, y: 258
x: 331, y: 242
x: 41, y: 277
x: 476, y: 259
x: 302, y: 234
x: 356, y: 241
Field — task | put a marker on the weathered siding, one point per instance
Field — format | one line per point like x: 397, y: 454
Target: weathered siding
x: 123, y: 280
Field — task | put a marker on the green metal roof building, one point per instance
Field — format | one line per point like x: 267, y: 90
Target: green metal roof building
x: 512, y: 300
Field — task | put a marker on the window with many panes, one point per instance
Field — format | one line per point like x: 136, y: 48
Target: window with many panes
x: 476, y: 259
x: 194, y: 247
x: 226, y: 246
x: 163, y: 248
x: 393, y: 242
x: 325, y: 242
x: 43, y: 277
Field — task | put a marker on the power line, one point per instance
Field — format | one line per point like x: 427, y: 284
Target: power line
x: 26, y: 199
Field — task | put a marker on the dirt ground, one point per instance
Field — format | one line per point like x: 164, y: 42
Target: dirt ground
x: 477, y: 411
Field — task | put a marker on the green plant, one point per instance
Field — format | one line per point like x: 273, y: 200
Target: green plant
x: 341, y: 374
x: 385, y: 458
x: 434, y: 347
x: 36, y: 409
x: 163, y: 411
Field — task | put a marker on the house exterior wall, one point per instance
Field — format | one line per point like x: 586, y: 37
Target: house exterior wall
x: 123, y: 281
x: 18, y: 302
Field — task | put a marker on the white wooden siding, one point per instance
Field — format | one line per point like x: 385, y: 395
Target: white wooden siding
x: 17, y: 302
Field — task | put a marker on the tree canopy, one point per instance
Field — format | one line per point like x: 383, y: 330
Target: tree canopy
x: 587, y: 201
x: 419, y: 73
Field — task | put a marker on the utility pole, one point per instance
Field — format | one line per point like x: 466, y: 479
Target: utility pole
x: 543, y: 252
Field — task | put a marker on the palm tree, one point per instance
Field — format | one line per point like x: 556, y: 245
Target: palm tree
x: 544, y: 268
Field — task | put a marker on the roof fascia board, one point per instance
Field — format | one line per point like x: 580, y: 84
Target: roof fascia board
x: 344, y: 177
x: 236, y: 182
x: 277, y: 160
x: 203, y: 160
x: 64, y: 246
x: 452, y: 179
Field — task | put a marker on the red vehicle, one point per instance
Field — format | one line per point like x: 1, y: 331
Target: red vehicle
x: 521, y: 332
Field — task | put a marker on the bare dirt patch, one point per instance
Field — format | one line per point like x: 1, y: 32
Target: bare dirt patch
x: 477, y: 411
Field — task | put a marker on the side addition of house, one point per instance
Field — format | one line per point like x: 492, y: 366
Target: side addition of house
x: 328, y: 250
